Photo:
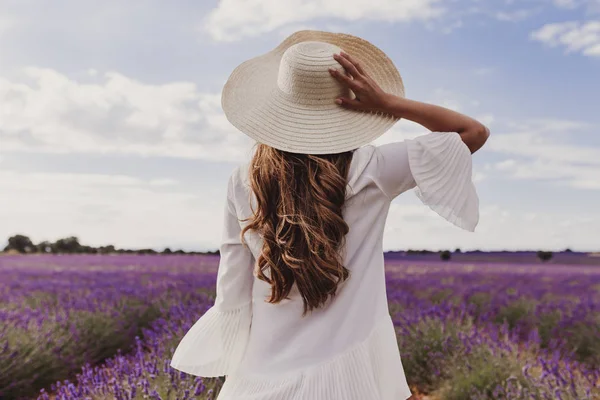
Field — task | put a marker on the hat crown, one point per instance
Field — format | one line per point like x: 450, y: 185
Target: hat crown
x: 304, y: 73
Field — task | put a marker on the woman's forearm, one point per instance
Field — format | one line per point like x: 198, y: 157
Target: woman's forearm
x: 439, y: 119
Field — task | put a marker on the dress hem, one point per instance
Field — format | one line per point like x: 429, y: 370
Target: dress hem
x: 370, y: 369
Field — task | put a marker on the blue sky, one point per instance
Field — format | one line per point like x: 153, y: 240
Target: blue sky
x: 111, y: 127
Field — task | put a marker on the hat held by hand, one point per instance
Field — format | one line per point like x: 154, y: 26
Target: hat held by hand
x: 286, y: 97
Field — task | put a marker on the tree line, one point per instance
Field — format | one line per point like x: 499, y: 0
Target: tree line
x: 70, y: 245
x: 446, y: 255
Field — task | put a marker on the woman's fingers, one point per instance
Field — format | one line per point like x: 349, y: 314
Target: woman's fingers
x: 354, y: 62
x: 344, y: 79
x: 348, y: 66
x: 352, y: 104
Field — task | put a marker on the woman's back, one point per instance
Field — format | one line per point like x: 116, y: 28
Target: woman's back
x: 285, y: 340
x: 301, y: 309
x: 285, y: 352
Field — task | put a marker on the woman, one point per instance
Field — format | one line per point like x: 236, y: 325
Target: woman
x: 301, y: 309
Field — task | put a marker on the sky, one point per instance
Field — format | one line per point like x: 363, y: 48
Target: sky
x: 111, y: 128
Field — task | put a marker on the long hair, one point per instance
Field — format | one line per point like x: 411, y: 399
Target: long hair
x: 299, y: 216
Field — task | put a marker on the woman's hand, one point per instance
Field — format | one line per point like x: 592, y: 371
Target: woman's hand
x: 369, y: 96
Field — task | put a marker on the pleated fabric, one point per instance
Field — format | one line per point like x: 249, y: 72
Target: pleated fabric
x: 371, y: 369
x: 215, y: 344
x: 441, y: 165
x: 347, y: 350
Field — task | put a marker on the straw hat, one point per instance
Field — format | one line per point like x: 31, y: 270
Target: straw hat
x: 286, y: 97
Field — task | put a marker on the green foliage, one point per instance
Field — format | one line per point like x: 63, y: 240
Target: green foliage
x: 440, y: 296
x: 546, y: 323
x: 544, y: 255
x: 44, y: 247
x: 70, y: 245
x: 583, y: 337
x: 429, y: 349
x: 515, y: 312
x: 21, y: 244
x: 481, y: 372
x: 67, y: 245
x: 480, y: 302
x: 87, y: 337
x: 445, y: 255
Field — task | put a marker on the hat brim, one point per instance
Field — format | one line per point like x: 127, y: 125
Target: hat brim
x: 253, y: 103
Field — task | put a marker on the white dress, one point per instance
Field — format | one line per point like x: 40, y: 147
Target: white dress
x: 348, y: 349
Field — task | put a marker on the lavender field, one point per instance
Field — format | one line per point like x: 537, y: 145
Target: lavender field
x: 104, y: 327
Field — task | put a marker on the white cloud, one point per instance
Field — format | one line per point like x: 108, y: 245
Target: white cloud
x: 574, y: 36
x: 403, y: 129
x: 415, y: 226
x: 48, y: 112
x: 569, y: 4
x: 591, y: 6
x: 446, y: 27
x: 545, y: 140
x: 232, y: 19
x: 445, y: 98
x: 135, y: 213
x: 516, y: 15
x: 486, y: 119
x: 577, y: 176
x: 103, y: 209
x: 6, y: 24
x: 539, y: 149
x: 536, y: 149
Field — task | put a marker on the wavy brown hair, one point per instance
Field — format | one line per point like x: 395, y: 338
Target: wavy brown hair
x: 299, y: 216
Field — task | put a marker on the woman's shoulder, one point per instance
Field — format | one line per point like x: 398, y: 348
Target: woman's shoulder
x: 361, y: 158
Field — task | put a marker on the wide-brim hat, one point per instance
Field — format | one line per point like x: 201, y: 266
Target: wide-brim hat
x: 286, y: 98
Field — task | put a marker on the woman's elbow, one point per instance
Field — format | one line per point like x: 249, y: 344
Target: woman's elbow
x: 476, y: 136
x: 484, y: 133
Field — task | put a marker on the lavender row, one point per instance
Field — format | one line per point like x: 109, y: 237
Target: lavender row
x: 444, y: 352
x: 59, y: 313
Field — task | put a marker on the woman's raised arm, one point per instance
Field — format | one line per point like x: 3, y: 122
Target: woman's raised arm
x: 370, y: 97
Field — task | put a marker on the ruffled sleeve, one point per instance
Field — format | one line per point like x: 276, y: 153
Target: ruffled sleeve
x: 441, y: 166
x: 216, y: 343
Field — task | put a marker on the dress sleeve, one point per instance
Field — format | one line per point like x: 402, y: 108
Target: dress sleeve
x: 216, y: 342
x: 439, y: 166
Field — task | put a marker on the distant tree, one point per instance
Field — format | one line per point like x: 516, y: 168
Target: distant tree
x: 146, y: 251
x: 167, y: 251
x: 67, y: 245
x: 44, y: 247
x: 544, y: 255
x: 20, y: 243
x: 88, y: 250
x: 457, y: 250
x: 445, y: 255
x: 568, y: 251
x: 179, y: 252
x: 106, y: 249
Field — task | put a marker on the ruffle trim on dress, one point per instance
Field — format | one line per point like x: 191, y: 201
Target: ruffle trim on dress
x: 441, y: 165
x: 215, y: 344
x: 371, y: 369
